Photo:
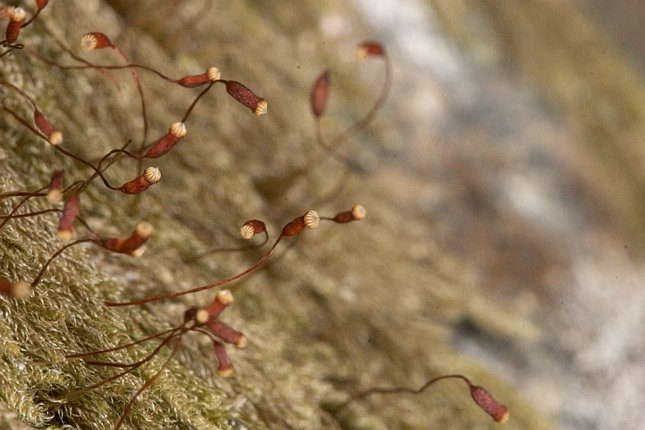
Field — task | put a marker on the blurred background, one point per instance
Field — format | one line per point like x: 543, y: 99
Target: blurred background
x: 522, y: 139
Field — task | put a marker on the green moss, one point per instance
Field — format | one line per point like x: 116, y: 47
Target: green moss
x: 344, y: 302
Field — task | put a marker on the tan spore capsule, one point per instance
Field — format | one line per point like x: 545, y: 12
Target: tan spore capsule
x: 94, y: 40
x: 88, y: 42
x: 247, y: 231
x: 312, y: 219
x: 54, y: 196
x: 144, y: 229
x: 222, y: 300
x: 20, y: 290
x: 152, y: 174
x: 17, y: 14
x: 55, y: 137
x: 139, y: 251
x: 242, y: 342
x: 359, y: 212
x: 252, y: 227
x: 261, y: 108
x: 201, y: 316
x: 177, y: 129
x: 213, y: 74
x: 225, y: 297
x: 225, y: 372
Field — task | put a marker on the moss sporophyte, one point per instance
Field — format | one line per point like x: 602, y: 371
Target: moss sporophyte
x: 54, y: 199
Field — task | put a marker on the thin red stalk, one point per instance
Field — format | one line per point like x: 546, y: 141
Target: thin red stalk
x: 147, y: 384
x: 232, y: 249
x: 137, y: 84
x: 194, y: 103
x: 115, y: 152
x: 399, y: 390
x: 19, y: 91
x: 89, y: 65
x: 97, y: 171
x: 335, y: 191
x: 219, y: 283
x: 12, y: 214
x: 93, y: 235
x: 135, y: 366
x: 120, y: 347
x: 33, y: 17
x: 361, y: 123
x: 63, y: 151
x: 37, y: 193
x: 24, y: 122
x: 11, y: 48
x: 56, y: 254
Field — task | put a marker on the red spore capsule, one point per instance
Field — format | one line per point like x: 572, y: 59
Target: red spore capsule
x: 224, y: 366
x: 70, y: 211
x: 17, y: 16
x: 176, y: 132
x: 227, y: 333
x: 370, y: 49
x: 247, y: 97
x: 150, y: 176
x: 55, y: 190
x: 95, y: 40
x: 19, y: 290
x: 212, y: 74
x: 132, y: 245
x: 222, y: 300
x: 487, y: 402
x: 319, y: 94
x: 311, y: 219
x: 54, y: 136
x: 357, y: 213
x: 252, y: 227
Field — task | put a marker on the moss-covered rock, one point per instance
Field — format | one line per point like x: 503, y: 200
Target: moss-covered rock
x: 341, y: 307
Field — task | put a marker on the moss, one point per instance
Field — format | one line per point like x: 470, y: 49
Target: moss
x: 345, y: 302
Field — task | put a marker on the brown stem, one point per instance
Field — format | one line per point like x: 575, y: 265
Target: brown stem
x: 147, y: 384
x: 56, y: 254
x: 219, y: 283
x: 398, y: 390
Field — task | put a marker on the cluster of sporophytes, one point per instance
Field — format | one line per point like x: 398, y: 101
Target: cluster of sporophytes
x: 63, y: 199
